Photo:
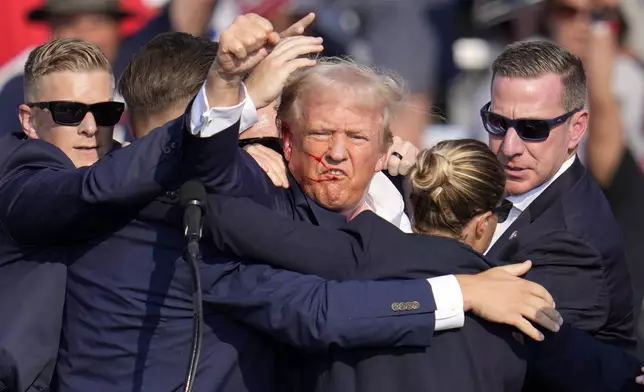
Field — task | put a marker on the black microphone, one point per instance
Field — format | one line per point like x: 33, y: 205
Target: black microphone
x: 192, y: 197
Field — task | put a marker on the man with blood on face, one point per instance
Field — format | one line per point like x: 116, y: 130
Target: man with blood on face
x: 334, y: 120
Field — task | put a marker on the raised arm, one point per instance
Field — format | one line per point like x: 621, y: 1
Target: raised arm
x: 311, y: 313
x: 44, y: 199
x: 224, y: 100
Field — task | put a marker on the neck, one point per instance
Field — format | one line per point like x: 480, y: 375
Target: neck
x: 357, y: 210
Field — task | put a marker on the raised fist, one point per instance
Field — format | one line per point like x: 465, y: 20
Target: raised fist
x: 243, y: 45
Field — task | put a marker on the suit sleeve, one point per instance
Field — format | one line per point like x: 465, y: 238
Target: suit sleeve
x: 572, y: 360
x: 248, y: 230
x: 559, y: 258
x: 310, y: 313
x: 225, y: 168
x: 44, y: 199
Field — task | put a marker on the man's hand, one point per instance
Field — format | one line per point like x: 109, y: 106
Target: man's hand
x: 500, y: 296
x: 271, y: 162
x: 397, y: 166
x: 298, y: 27
x: 242, y: 46
x: 266, y: 81
x: 640, y: 379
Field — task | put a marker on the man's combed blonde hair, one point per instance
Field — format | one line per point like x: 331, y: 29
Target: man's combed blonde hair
x: 64, y: 54
x: 370, y: 87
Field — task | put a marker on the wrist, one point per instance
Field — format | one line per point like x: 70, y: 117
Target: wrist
x: 465, y: 281
x: 222, y: 90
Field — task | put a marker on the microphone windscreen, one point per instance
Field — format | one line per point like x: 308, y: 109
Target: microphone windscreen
x: 192, y: 191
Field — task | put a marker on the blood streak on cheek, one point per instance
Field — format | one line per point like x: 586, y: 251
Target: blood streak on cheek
x: 320, y: 179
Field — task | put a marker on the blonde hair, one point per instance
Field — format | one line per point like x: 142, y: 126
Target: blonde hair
x: 64, y: 54
x: 453, y: 182
x: 371, y: 87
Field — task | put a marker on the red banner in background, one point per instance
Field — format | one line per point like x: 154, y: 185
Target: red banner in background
x: 18, y: 34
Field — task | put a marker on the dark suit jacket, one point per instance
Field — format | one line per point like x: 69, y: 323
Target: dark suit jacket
x: 128, y: 317
x: 33, y: 273
x: 571, y: 236
x: 481, y: 356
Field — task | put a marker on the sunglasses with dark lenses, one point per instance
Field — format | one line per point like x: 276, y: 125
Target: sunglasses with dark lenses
x: 70, y: 113
x: 528, y: 129
x: 502, y: 210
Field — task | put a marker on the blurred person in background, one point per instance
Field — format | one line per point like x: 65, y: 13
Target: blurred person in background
x: 595, y: 31
x: 611, y: 158
x: 97, y: 21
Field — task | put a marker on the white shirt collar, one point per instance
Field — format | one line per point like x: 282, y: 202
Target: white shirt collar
x: 521, y: 202
x: 385, y: 200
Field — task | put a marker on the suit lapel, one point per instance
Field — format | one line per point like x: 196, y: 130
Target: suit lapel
x: 507, y: 245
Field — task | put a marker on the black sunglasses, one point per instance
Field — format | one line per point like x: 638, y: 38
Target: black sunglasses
x: 70, y: 113
x: 528, y: 129
x: 502, y: 210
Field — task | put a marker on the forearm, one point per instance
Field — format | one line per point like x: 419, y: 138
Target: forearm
x: 44, y: 199
x: 308, y: 312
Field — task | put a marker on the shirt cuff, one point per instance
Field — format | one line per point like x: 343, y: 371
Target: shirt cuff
x: 206, y: 121
x: 449, y: 302
x: 249, y: 115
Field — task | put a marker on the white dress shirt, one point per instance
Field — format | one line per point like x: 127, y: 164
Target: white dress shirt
x: 521, y: 202
x: 382, y: 197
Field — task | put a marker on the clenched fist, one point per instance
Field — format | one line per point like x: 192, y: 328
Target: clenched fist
x: 244, y: 44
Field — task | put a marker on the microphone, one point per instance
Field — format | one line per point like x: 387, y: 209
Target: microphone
x: 192, y: 197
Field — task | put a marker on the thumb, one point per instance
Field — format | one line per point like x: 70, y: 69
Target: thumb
x: 518, y: 269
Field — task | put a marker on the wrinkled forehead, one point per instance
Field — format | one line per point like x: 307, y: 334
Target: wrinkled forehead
x: 80, y: 86
x: 343, y: 110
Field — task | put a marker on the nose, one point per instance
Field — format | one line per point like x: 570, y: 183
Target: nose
x: 512, y: 144
x: 88, y: 126
x: 338, y: 151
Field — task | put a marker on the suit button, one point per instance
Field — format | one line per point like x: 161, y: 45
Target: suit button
x: 415, y: 305
x: 173, y: 145
x: 395, y: 306
x: 166, y: 150
x: 407, y: 306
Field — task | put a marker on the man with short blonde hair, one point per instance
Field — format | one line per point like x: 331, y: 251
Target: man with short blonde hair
x: 66, y: 80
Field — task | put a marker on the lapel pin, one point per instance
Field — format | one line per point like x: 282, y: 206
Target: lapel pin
x: 513, y: 235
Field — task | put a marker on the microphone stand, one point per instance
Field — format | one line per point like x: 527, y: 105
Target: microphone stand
x: 193, y: 254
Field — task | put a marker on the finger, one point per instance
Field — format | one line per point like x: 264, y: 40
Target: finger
x: 527, y: 328
x: 236, y: 48
x: 640, y: 379
x: 539, y: 291
x: 290, y: 43
x: 296, y: 64
x: 298, y: 27
x: 273, y: 38
x: 409, y: 159
x: 393, y: 163
x: 553, y: 315
x: 277, y: 163
x: 537, y: 316
x: 299, y: 51
x: 517, y: 269
x: 256, y: 20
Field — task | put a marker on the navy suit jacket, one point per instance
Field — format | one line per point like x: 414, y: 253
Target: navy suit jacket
x: 480, y: 357
x: 128, y: 317
x: 571, y: 236
x: 41, y: 204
